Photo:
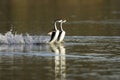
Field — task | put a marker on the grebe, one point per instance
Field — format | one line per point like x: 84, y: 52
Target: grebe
x: 55, y: 33
x: 61, y: 33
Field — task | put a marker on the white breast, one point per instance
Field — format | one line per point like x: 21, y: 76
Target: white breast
x: 61, y: 37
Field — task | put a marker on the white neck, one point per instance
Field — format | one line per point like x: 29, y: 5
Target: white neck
x: 61, y: 26
x: 55, y: 26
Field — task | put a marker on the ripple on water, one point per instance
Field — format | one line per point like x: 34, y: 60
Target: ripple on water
x: 83, y: 57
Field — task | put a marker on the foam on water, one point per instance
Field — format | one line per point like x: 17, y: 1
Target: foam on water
x: 10, y: 38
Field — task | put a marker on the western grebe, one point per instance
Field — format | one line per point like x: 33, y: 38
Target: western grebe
x: 61, y: 33
x: 55, y: 33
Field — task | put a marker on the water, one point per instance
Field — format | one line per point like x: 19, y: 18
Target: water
x: 91, y: 50
x: 80, y: 57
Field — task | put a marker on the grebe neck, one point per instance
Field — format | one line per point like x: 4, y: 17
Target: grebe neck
x: 55, y: 26
x: 61, y: 26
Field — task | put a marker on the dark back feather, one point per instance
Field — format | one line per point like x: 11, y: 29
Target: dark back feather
x: 52, y: 36
x: 59, y: 35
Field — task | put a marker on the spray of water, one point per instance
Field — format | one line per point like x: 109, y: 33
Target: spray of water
x: 10, y: 38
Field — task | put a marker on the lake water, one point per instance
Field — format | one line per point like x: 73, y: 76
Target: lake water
x: 79, y: 58
x: 91, y: 50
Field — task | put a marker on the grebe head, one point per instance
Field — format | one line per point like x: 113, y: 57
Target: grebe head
x: 64, y: 21
x: 58, y: 20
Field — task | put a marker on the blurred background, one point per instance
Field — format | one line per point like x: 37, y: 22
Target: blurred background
x: 84, y: 17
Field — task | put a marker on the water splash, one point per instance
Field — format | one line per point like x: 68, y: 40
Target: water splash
x: 10, y: 38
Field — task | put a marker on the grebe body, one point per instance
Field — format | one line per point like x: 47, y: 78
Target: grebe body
x: 61, y: 33
x: 55, y: 33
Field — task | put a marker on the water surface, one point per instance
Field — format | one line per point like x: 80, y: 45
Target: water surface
x: 80, y: 57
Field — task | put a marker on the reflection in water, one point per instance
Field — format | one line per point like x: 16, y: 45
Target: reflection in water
x: 60, y: 61
x: 87, y: 58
